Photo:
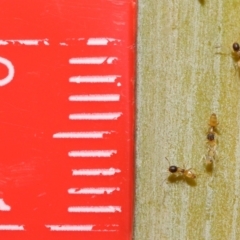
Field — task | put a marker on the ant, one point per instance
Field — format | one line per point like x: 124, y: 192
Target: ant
x: 236, y: 53
x: 212, y: 141
x: 186, y: 173
x: 212, y: 131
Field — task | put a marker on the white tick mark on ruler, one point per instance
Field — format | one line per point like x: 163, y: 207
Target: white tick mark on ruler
x: 101, y: 190
x: 95, y: 98
x: 2, y: 42
x: 92, y: 153
x: 31, y: 42
x: 80, y: 134
x: 82, y: 228
x: 11, y: 227
x: 95, y: 116
x: 66, y: 42
x: 95, y: 172
x: 92, y: 60
x: 94, y: 79
x: 27, y: 42
x: 100, y: 41
x: 70, y: 227
x: 95, y: 209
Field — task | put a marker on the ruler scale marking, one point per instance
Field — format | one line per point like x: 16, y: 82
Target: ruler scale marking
x: 95, y: 172
x: 92, y: 153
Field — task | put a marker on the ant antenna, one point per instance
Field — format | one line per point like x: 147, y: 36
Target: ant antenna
x: 167, y: 160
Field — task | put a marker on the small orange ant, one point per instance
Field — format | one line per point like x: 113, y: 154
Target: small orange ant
x: 235, y: 52
x: 212, y: 140
x: 188, y: 173
x: 212, y: 131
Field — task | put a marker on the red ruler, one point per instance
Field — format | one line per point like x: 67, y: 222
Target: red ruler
x: 67, y: 119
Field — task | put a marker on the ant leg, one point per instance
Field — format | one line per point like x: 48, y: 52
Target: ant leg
x: 236, y: 67
x: 163, y: 181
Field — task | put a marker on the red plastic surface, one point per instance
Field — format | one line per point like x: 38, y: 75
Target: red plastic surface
x: 67, y: 119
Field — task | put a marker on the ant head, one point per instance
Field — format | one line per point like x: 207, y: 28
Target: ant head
x: 173, y: 169
x: 210, y: 136
x: 236, y: 47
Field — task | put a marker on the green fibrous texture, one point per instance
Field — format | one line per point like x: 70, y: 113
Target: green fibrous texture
x: 185, y: 72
